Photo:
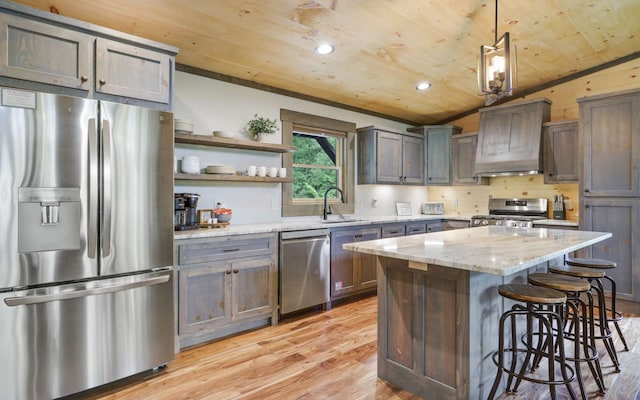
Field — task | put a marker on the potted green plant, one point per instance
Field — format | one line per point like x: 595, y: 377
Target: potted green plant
x: 259, y: 126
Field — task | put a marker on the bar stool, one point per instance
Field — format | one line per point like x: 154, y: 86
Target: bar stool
x: 582, y: 336
x: 541, y: 304
x: 593, y: 276
x: 601, y: 264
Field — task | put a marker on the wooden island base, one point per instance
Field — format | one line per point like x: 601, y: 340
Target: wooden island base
x: 438, y: 327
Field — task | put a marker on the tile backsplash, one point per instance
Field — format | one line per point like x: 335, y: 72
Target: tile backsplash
x: 471, y: 200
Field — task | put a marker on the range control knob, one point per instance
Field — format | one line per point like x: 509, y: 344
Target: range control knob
x: 485, y: 222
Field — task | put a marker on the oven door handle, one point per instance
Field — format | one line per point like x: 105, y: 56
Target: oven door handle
x: 75, y: 290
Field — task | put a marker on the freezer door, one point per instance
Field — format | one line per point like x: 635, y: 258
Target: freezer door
x: 137, y: 197
x: 60, y: 340
x: 46, y: 161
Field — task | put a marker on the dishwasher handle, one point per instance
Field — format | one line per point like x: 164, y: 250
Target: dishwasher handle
x: 310, y: 233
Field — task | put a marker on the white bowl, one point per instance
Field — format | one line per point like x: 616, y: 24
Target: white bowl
x: 183, y: 126
x: 222, y: 134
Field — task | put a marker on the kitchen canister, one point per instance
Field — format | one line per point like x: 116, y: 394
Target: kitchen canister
x: 191, y: 164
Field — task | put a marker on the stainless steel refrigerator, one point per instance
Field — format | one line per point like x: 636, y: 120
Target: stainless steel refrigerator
x: 86, y: 238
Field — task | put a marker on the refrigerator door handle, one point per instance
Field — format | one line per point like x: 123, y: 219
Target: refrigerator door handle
x: 92, y: 228
x: 84, y: 289
x: 107, y: 189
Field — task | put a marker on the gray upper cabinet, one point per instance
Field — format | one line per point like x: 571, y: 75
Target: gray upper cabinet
x: 50, y: 53
x: 129, y: 71
x: 463, y: 160
x: 610, y: 133
x: 39, y: 52
x: 560, y: 158
x: 438, y: 152
x: 387, y: 157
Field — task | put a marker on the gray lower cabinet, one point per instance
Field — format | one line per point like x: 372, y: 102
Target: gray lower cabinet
x: 225, y: 285
x: 386, y: 157
x: 352, y: 273
x: 434, y: 226
x: 619, y: 216
x: 560, y: 157
x: 463, y: 160
x: 415, y: 228
x: 62, y: 56
x: 393, y: 230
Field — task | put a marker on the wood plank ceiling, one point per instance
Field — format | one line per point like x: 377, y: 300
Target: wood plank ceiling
x: 383, y: 47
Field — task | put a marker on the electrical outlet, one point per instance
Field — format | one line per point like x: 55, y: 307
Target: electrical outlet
x: 454, y: 203
x: 568, y: 204
x: 373, y: 202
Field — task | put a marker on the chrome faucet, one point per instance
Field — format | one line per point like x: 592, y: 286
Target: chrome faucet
x: 324, y: 208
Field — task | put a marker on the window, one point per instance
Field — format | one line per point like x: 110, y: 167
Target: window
x: 324, y: 158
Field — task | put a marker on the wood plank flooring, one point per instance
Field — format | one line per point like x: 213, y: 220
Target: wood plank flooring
x: 325, y: 355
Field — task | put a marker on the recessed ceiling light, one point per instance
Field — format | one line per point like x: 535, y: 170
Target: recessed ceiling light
x: 423, y: 86
x: 325, y: 49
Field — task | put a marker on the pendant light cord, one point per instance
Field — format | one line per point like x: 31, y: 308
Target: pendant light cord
x: 495, y: 29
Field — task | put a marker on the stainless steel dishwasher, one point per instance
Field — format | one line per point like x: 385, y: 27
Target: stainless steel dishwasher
x: 304, y: 269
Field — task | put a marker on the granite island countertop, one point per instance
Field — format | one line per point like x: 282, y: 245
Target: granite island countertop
x: 490, y: 249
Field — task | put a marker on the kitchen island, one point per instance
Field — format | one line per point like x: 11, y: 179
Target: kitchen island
x: 438, y: 302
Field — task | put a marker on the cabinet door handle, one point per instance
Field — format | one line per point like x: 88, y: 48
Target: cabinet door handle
x: 102, y: 82
x: 230, y: 250
x: 550, y: 174
x: 587, y: 206
x: 83, y: 79
x: 587, y: 190
x: 228, y: 271
x: 235, y: 271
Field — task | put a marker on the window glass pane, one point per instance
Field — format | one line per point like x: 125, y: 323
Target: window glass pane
x: 314, y: 150
x: 316, y: 166
x: 311, y: 183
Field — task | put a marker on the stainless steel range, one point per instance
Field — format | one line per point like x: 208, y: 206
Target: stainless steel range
x: 518, y: 213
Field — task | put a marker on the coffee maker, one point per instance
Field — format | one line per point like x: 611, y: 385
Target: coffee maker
x: 185, y: 205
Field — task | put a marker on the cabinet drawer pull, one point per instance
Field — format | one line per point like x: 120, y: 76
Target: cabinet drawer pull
x: 230, y: 250
x: 102, y: 82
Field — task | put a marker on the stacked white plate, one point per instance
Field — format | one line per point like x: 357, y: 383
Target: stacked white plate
x: 222, y: 134
x: 220, y: 169
x: 183, y: 126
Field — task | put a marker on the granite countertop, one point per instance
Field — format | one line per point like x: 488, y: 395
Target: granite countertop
x: 490, y: 249
x: 297, y: 225
x: 315, y: 223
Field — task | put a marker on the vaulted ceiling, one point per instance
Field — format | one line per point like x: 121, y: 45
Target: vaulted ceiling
x: 383, y: 47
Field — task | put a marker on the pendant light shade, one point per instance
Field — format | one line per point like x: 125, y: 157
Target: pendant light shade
x: 497, y: 72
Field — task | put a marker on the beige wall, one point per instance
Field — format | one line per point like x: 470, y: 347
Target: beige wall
x: 473, y: 199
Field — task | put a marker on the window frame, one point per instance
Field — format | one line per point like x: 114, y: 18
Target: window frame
x: 313, y: 123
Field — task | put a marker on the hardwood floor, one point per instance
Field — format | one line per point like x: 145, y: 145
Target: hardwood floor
x: 325, y: 355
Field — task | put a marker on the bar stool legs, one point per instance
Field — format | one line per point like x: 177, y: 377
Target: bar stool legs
x: 603, y: 265
x: 550, y: 339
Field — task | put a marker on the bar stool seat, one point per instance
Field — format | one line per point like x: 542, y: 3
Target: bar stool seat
x: 559, y: 282
x: 578, y: 272
x: 543, y: 305
x: 578, y: 314
x: 590, y: 263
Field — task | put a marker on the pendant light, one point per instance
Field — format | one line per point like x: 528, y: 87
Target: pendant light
x: 497, y: 72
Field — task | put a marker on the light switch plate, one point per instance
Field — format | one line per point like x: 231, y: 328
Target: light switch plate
x: 403, y: 209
